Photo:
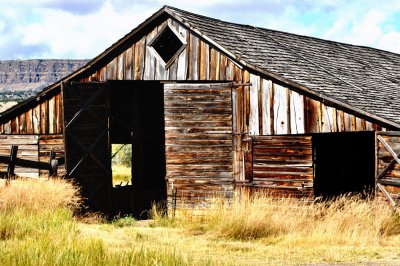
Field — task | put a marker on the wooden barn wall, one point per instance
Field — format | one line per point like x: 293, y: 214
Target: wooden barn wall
x: 282, y: 165
x: 198, y: 142
x: 33, y: 148
x: 264, y: 108
x: 391, y: 179
x: 267, y: 108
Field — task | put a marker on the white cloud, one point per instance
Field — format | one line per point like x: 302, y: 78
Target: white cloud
x: 75, y: 36
x: 80, y: 29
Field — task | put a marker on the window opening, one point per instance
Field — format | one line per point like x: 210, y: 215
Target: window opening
x: 121, y: 164
x: 168, y: 45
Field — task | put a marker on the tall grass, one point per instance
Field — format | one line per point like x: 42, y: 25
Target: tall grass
x: 37, y: 227
x: 346, y: 220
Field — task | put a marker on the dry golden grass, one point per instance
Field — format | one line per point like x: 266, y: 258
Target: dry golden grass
x: 37, y: 227
x: 289, y: 231
x: 36, y: 194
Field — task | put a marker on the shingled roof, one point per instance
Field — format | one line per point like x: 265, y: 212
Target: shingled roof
x: 363, y: 77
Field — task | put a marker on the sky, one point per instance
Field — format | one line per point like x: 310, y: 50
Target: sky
x: 82, y: 29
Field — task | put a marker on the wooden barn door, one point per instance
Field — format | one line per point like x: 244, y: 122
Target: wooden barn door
x: 87, y: 145
x: 198, y: 142
x: 388, y: 165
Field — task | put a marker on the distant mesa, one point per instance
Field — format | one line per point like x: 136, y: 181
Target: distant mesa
x: 20, y: 79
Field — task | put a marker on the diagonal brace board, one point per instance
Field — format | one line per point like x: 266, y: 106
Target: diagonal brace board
x: 392, y: 163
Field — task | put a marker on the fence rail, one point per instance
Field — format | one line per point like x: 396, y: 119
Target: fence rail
x: 12, y: 160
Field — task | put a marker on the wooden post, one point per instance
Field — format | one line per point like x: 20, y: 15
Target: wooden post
x: 11, y: 164
x: 53, y: 163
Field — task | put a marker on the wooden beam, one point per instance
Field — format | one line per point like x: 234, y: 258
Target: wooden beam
x: 389, y: 149
x: 390, y: 182
x: 387, y: 195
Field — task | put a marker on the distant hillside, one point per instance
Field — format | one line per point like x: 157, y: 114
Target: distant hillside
x: 20, y: 79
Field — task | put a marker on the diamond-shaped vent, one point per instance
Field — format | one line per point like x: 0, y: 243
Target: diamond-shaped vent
x: 168, y: 45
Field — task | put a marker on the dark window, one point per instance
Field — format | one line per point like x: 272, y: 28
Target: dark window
x: 167, y: 44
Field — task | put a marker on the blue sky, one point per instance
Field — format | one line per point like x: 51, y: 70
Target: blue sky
x: 85, y: 28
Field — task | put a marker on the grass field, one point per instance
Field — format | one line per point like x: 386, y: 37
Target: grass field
x: 37, y: 227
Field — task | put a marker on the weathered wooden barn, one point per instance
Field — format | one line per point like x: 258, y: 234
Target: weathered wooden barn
x: 212, y: 107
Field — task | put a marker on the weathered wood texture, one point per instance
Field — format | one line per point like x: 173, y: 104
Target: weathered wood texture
x: 269, y: 108
x: 198, y: 141
x: 388, y: 167
x: 48, y: 143
x: 33, y: 148
x: 282, y: 165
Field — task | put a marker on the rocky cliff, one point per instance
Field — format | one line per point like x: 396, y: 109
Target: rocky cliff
x: 22, y: 78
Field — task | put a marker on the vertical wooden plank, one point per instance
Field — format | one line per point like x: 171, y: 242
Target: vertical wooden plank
x: 103, y: 74
x: 237, y: 122
x: 182, y: 68
x: 14, y: 126
x: 149, y: 60
x: 161, y: 72
x: 353, y: 123
x: 121, y: 66
x: 340, y: 121
x: 280, y: 109
x: 57, y: 111
x: 139, y: 59
x: 237, y: 73
x: 195, y: 58
x: 313, y: 116
x: 52, y: 117
x: 229, y: 70
x: 172, y: 71
x: 266, y: 102
x: 28, y: 119
x: 296, y: 113
x: 213, y: 64
x: 254, y: 119
x: 112, y: 70
x: 246, y: 101
x: 129, y: 63
x: 260, y: 105
x: 347, y: 122
x: 204, y: 61
x: 328, y: 115
x: 7, y: 127
x: 22, y: 124
x: 44, y: 119
x: 360, y: 124
x: 36, y: 119
x: 222, y: 67
x: 368, y: 126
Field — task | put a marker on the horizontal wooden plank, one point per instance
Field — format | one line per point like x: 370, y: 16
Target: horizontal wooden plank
x: 281, y: 169
x: 286, y: 174
x: 189, y: 174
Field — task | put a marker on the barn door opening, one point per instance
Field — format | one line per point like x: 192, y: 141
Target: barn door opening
x: 344, y: 163
x: 86, y: 141
x: 137, y: 129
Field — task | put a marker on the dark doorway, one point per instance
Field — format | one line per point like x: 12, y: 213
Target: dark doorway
x: 137, y: 119
x: 86, y: 141
x: 344, y: 163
